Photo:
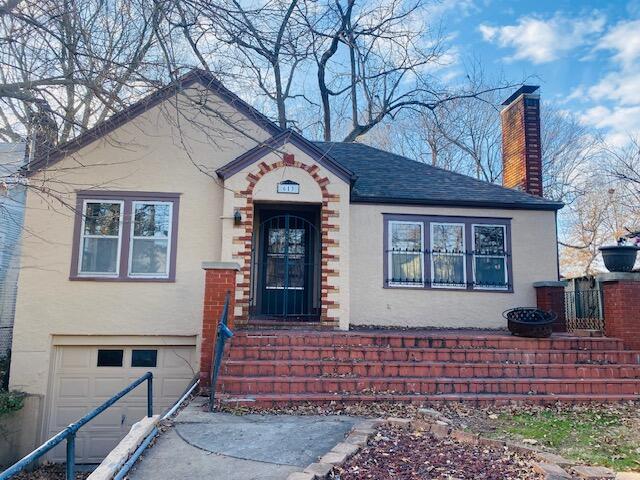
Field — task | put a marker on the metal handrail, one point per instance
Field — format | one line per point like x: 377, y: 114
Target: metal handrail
x: 69, y: 433
x: 224, y: 333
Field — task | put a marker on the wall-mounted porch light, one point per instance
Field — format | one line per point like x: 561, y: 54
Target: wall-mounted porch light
x: 237, y: 217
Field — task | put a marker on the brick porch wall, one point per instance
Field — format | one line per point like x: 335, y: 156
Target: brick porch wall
x: 220, y: 278
x: 550, y: 298
x: 621, y: 296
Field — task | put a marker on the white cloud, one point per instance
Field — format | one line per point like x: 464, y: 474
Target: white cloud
x: 542, y: 40
x: 621, y: 87
x: 619, y: 122
x: 624, y: 40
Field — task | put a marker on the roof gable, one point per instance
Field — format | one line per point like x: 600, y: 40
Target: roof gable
x: 287, y: 136
x: 47, y: 158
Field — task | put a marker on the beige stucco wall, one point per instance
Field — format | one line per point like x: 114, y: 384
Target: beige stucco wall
x: 160, y: 150
x: 533, y: 236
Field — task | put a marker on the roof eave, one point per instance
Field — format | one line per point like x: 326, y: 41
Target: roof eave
x: 550, y: 206
x: 286, y: 136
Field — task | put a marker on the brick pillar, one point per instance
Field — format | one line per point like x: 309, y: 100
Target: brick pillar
x: 550, y: 297
x: 621, y: 297
x: 220, y: 278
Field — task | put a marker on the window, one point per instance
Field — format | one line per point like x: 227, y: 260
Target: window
x: 144, y: 358
x: 406, y: 253
x: 450, y: 252
x: 110, y: 358
x: 293, y: 248
x: 448, y: 255
x: 489, y: 256
x: 149, y: 253
x: 100, y: 238
x: 125, y: 236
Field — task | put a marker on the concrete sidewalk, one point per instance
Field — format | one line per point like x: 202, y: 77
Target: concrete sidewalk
x: 230, y: 447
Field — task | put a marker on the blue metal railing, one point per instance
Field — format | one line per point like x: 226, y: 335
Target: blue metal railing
x: 69, y: 433
x: 224, y: 333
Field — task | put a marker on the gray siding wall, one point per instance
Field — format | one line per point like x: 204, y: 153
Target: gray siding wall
x: 12, y: 203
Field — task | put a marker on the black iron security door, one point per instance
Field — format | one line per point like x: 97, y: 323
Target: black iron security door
x: 287, y: 267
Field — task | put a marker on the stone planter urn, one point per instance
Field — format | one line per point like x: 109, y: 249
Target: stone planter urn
x: 619, y: 258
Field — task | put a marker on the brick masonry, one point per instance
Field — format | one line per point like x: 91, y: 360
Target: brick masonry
x: 329, y: 234
x: 622, y: 311
x: 551, y: 299
x: 280, y: 368
x: 521, y: 149
x: 218, y: 281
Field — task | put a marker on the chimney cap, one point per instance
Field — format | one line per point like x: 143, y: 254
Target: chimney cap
x: 524, y: 89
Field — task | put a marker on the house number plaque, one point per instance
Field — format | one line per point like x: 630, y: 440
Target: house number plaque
x: 288, y: 186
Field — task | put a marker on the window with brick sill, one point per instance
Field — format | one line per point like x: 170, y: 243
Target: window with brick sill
x: 125, y: 236
x: 438, y: 252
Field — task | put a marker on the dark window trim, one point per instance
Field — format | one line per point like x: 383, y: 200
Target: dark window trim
x: 468, y: 222
x: 128, y: 197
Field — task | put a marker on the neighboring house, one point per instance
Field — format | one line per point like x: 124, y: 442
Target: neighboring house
x: 324, y: 234
x: 12, y: 198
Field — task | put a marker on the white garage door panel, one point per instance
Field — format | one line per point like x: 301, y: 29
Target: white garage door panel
x: 79, y: 385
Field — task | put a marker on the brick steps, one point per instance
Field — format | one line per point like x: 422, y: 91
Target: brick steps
x: 305, y: 368
x: 276, y: 368
x: 418, y: 385
x: 434, y: 354
x: 417, y: 340
x: 285, y: 400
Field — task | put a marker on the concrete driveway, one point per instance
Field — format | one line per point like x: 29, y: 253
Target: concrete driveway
x: 225, y: 446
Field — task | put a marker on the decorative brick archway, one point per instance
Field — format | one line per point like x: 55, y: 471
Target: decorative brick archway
x: 330, y: 246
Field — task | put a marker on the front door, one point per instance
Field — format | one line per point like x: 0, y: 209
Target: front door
x: 287, y: 266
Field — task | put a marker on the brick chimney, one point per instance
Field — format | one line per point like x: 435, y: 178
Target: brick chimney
x: 521, y: 149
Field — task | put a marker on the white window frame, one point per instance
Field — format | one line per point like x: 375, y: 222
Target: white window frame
x: 132, y: 238
x: 504, y: 257
x: 84, y: 235
x: 390, y: 254
x: 463, y: 255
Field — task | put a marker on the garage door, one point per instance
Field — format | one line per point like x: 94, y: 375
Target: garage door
x: 87, y: 376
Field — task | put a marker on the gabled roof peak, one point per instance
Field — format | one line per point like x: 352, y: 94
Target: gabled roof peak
x: 49, y: 157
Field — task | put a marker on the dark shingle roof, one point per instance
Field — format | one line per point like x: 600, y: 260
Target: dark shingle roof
x: 383, y: 177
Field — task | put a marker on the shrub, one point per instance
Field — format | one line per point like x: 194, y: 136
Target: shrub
x: 10, y: 402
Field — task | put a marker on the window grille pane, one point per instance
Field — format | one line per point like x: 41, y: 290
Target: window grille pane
x: 152, y: 220
x: 102, y: 219
x: 490, y: 271
x: 406, y: 267
x: 149, y: 256
x: 275, y: 271
x: 406, y: 237
x: 447, y: 238
x: 406, y: 253
x: 99, y: 255
x: 448, y: 270
x: 489, y: 240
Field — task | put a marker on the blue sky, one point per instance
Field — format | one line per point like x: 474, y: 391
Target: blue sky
x: 585, y: 55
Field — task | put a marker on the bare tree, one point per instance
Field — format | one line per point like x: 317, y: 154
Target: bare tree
x: 76, y: 61
x: 624, y: 167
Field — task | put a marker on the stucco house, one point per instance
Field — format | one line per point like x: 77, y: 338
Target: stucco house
x: 326, y: 235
